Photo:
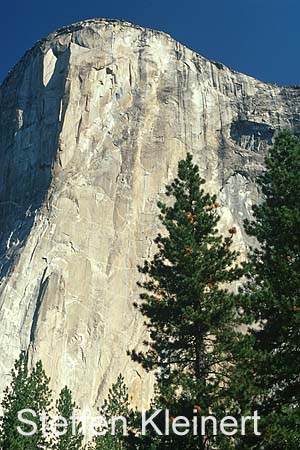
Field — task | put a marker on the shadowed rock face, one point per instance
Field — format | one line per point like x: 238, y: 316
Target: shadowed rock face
x: 93, y: 121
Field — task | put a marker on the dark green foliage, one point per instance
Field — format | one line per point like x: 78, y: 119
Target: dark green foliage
x: 190, y: 313
x: 72, y: 439
x: 25, y: 391
x: 14, y: 400
x: 269, y: 368
x: 117, y: 404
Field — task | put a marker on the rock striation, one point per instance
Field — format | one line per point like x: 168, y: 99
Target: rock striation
x: 93, y: 121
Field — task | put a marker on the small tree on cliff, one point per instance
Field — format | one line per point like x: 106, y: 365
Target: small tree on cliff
x: 72, y: 438
x: 191, y: 315
x: 271, y: 364
x: 26, y: 391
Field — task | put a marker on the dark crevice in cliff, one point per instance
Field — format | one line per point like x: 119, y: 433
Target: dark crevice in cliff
x: 251, y: 135
x: 42, y: 289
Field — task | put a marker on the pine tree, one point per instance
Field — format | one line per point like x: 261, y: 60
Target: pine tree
x: 268, y: 374
x: 116, y: 404
x: 190, y: 312
x: 26, y: 391
x: 14, y: 401
x: 72, y: 439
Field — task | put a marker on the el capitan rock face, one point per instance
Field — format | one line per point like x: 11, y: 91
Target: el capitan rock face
x: 93, y: 121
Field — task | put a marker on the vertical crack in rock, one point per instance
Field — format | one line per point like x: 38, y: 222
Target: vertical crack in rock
x: 42, y: 289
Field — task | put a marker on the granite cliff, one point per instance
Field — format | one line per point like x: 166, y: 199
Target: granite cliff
x: 93, y: 121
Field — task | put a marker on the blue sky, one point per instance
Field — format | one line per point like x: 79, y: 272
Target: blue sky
x: 257, y: 37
